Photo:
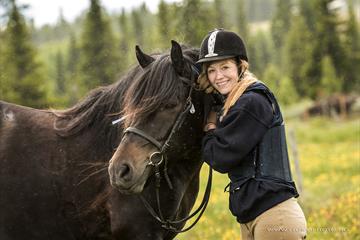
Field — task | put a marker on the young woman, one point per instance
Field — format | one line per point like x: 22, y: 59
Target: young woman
x: 246, y: 140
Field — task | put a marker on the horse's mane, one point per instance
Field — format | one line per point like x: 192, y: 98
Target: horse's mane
x: 140, y: 91
x: 98, y: 106
x: 158, y: 86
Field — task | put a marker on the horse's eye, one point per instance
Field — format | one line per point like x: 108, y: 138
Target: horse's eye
x: 169, y: 106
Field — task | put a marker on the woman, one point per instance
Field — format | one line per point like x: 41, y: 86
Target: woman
x: 246, y: 140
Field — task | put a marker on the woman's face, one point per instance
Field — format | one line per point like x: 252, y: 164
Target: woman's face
x: 223, y: 75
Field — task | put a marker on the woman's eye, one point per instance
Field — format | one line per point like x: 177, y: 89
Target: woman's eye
x: 210, y: 71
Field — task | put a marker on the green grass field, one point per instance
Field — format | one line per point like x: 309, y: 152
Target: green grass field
x: 329, y: 153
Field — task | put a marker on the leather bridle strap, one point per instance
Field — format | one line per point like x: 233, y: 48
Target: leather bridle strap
x: 144, y: 135
x: 168, y: 224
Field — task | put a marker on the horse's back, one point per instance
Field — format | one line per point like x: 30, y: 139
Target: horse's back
x: 27, y: 187
x: 25, y: 133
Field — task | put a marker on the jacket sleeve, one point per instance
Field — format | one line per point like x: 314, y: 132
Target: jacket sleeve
x: 239, y: 132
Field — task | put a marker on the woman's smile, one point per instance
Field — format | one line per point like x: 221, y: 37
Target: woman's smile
x: 223, y: 75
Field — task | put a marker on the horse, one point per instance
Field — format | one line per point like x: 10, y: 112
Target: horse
x: 56, y: 180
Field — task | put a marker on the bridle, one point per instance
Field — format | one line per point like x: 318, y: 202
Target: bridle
x: 158, y: 157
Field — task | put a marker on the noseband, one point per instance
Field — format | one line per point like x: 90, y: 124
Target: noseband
x: 158, y: 157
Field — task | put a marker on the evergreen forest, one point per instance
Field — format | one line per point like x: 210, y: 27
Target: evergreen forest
x: 304, y: 50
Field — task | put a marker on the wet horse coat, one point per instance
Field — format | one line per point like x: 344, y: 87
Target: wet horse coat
x: 54, y: 181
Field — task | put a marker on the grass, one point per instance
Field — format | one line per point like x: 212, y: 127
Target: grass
x: 329, y: 153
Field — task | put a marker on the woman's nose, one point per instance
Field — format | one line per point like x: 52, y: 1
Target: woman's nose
x: 219, y: 74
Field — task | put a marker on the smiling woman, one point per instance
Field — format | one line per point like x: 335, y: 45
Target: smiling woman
x: 223, y: 75
x: 246, y: 140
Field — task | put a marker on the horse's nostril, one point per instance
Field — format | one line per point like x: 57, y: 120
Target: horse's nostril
x: 124, y: 172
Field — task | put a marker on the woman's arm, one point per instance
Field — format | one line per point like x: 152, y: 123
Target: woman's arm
x: 239, y: 132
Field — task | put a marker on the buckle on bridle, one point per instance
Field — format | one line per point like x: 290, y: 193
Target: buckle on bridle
x: 156, y: 158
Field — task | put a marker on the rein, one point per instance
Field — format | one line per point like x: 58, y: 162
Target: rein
x: 158, y: 157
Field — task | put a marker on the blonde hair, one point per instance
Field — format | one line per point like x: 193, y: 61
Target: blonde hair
x: 246, y: 78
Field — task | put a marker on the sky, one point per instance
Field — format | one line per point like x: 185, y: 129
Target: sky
x: 47, y: 11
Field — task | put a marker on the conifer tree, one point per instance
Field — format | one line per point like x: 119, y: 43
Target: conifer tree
x: 3, y: 85
x: 99, y: 58
x: 287, y: 93
x: 280, y: 23
x: 298, y: 56
x: 163, y: 23
x: 259, y: 52
x: 326, y: 40
x: 72, y: 65
x: 4, y: 88
x: 241, y: 19
x: 272, y: 77
x: 60, y: 74
x: 220, y: 20
x: 23, y: 79
x: 124, y: 41
x: 306, y: 10
x: 138, y: 26
x: 352, y: 48
x: 195, y: 22
x: 72, y: 70
x: 330, y: 83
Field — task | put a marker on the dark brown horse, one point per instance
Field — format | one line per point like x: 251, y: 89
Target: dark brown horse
x: 54, y: 175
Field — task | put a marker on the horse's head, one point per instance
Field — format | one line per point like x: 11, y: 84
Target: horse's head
x: 155, y: 105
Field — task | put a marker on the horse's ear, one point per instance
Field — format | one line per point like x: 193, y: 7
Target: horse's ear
x: 177, y: 57
x: 143, y: 59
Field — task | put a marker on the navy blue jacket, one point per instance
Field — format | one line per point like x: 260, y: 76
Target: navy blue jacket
x: 233, y: 141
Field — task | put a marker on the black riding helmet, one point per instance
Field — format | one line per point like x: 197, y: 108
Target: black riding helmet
x: 221, y: 44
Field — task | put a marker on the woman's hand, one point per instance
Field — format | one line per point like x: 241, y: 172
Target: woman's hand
x: 210, y: 122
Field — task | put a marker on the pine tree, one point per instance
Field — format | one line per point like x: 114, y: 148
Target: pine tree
x: 272, y: 78
x: 163, y: 23
x: 280, y: 23
x: 352, y: 48
x: 72, y: 65
x: 22, y: 72
x: 220, y: 20
x: 60, y: 74
x: 259, y: 52
x: 195, y: 22
x: 330, y: 83
x: 287, y: 93
x: 3, y: 85
x: 326, y: 39
x: 241, y: 19
x: 99, y: 59
x: 298, y: 56
x: 306, y: 10
x: 138, y: 27
x: 72, y: 70
x: 280, y: 84
x: 62, y: 27
x: 124, y: 42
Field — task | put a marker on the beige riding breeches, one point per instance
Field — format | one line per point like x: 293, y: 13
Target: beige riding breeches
x: 285, y: 221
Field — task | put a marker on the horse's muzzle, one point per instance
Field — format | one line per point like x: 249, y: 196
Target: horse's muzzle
x: 124, y: 178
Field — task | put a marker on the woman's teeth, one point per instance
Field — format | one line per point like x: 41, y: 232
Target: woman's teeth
x: 220, y: 84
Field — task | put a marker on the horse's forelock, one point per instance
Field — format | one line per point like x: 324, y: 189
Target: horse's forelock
x: 156, y: 86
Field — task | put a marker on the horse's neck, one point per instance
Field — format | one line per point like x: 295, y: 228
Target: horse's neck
x: 95, y: 145
x: 187, y: 170
x: 191, y: 164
